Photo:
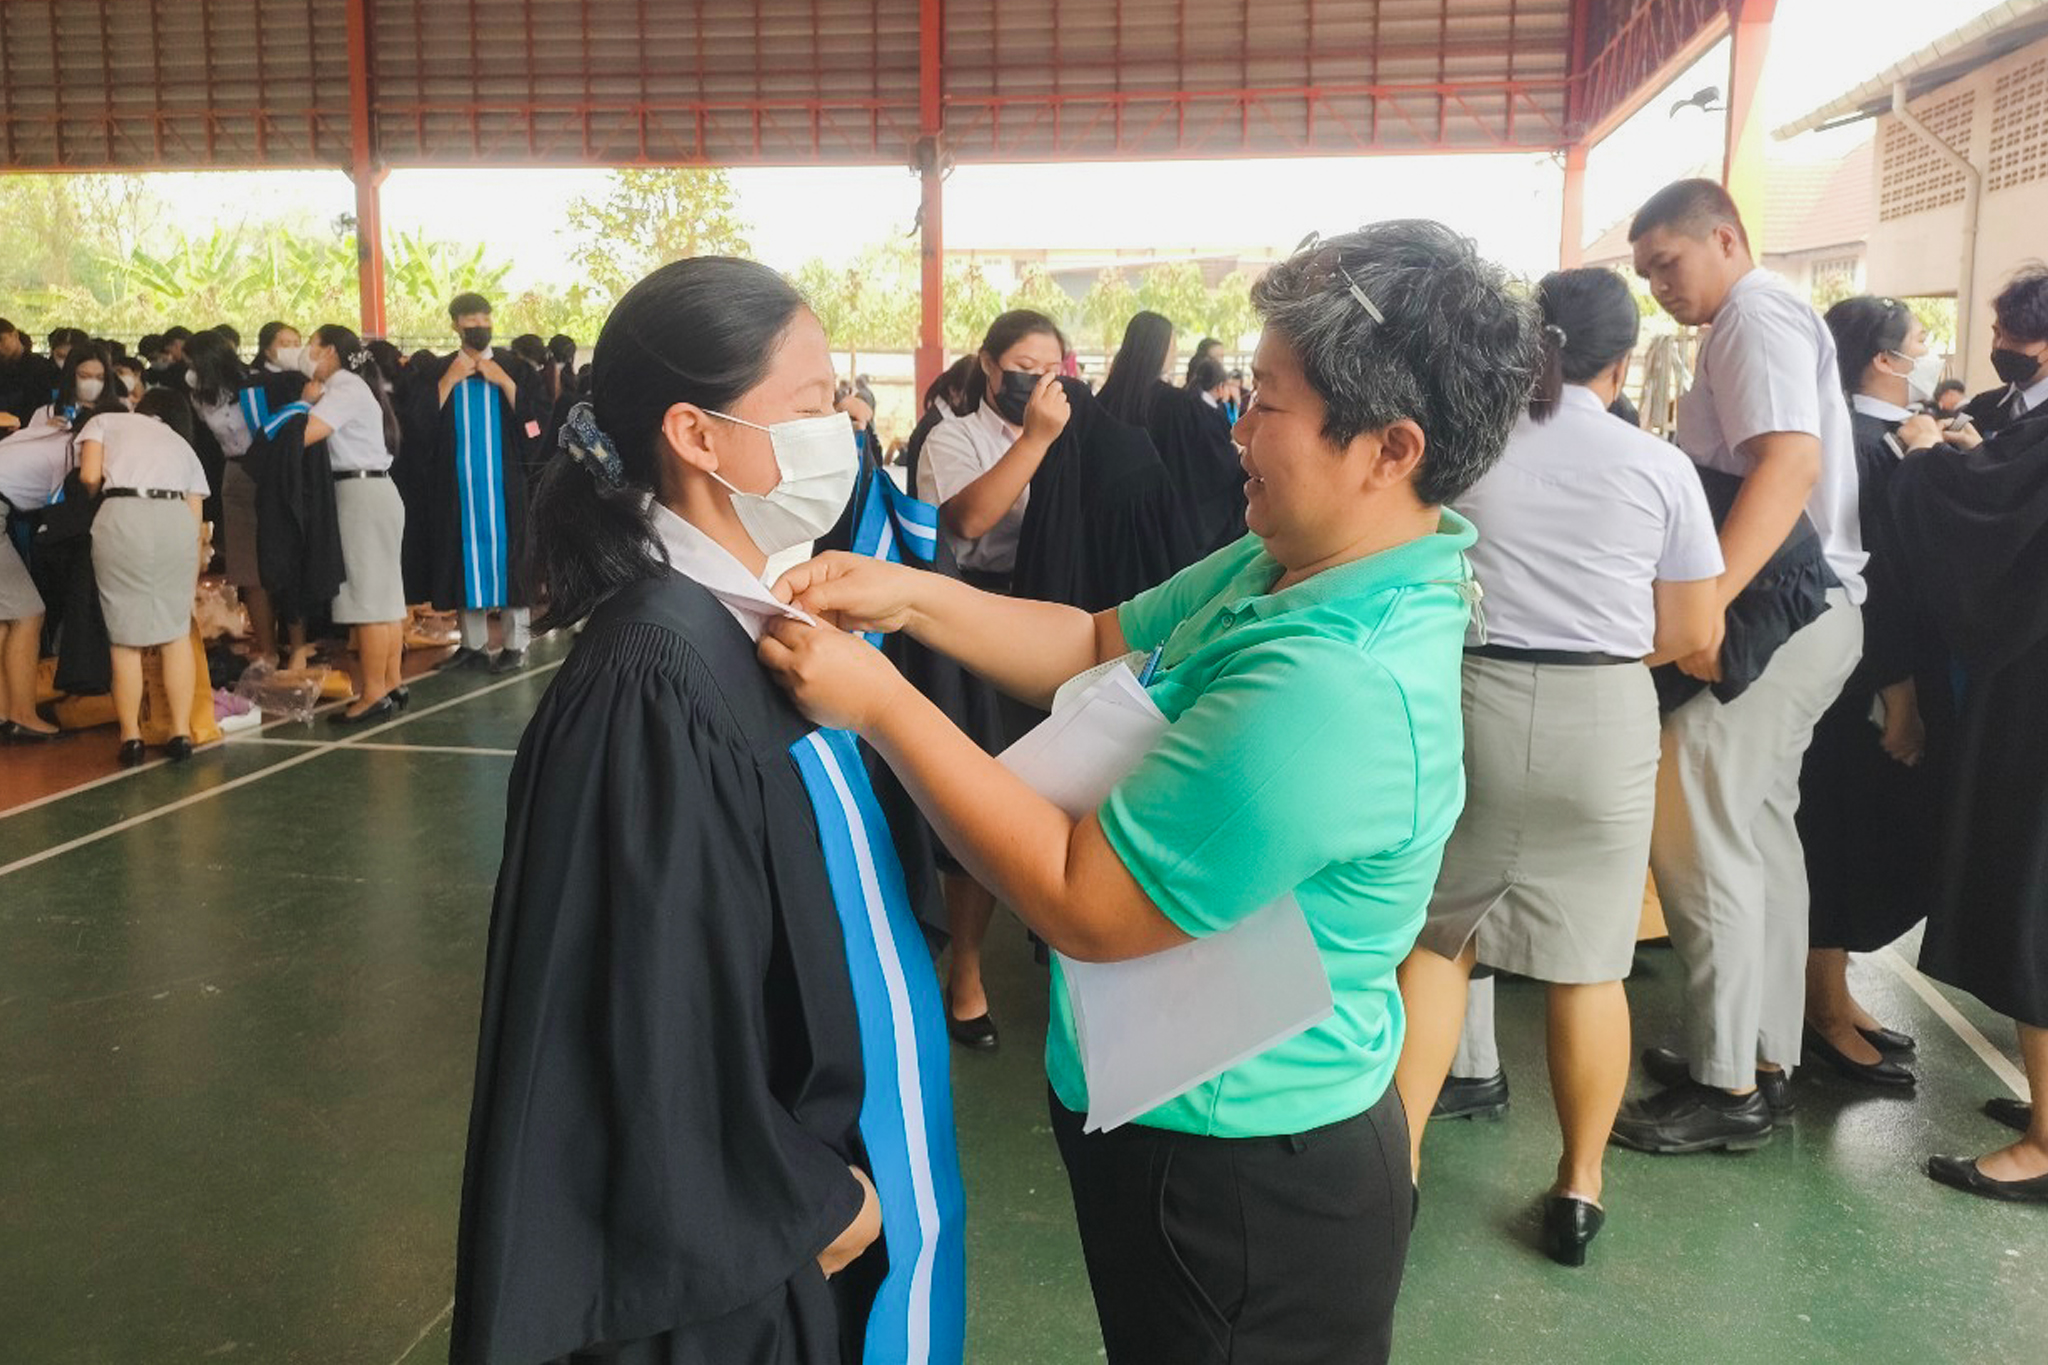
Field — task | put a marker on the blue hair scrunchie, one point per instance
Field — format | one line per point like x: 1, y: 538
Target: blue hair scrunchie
x: 590, y: 447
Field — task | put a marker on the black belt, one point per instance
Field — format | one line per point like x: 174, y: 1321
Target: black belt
x: 344, y: 475
x: 1558, y: 658
x: 160, y: 494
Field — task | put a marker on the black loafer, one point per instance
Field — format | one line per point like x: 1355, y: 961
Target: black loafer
x: 131, y: 754
x: 509, y: 661
x: 1668, y: 1068
x: 179, y: 749
x: 2017, y: 1115
x: 1890, y: 1042
x: 384, y: 708
x: 402, y: 696
x: 469, y: 660
x: 1883, y: 1072
x: 1569, y: 1225
x: 978, y: 1034
x: 14, y: 732
x: 1694, y: 1118
x: 1463, y: 1097
x: 1961, y: 1173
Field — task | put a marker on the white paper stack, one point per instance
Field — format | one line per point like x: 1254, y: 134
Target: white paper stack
x: 1154, y: 1028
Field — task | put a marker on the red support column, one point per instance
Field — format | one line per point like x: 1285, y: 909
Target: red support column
x: 365, y: 172
x: 1743, y: 169
x: 931, y: 335
x: 1571, y: 241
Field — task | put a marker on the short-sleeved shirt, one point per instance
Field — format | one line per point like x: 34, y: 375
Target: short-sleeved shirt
x: 33, y: 463
x: 1315, y: 747
x: 224, y: 419
x: 356, y: 441
x: 959, y: 451
x: 1577, y: 521
x: 1768, y: 364
x: 141, y: 452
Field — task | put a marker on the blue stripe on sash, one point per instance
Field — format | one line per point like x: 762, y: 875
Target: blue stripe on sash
x: 906, y: 1120
x: 480, y: 479
x: 890, y: 522
x: 261, y: 417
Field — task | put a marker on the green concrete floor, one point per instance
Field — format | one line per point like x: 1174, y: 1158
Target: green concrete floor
x: 235, y: 1052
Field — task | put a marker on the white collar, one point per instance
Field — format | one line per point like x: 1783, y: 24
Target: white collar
x: 1211, y: 399
x: 699, y: 558
x: 1878, y: 408
x: 989, y: 417
x: 2033, y: 396
x: 1581, y: 397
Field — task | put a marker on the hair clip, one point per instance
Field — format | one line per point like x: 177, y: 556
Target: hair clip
x: 1351, y: 285
x: 590, y: 447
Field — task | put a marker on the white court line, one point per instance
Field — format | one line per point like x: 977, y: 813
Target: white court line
x: 377, y: 748
x: 448, y: 1308
x: 307, y: 756
x: 2001, y: 1066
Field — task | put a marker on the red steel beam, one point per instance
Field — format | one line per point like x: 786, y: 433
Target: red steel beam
x: 1742, y: 167
x: 931, y: 174
x: 365, y: 172
x: 1653, y: 46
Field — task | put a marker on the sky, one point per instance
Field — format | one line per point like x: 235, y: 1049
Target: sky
x: 1509, y: 204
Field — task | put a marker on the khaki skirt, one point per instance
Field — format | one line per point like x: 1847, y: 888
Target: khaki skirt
x: 1547, y: 865
x: 238, y: 525
x: 372, y: 518
x: 19, y: 599
x: 145, y: 553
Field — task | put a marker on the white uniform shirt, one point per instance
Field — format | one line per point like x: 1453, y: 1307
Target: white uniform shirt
x: 141, y: 452
x: 696, y: 556
x: 33, y: 463
x: 1580, y: 516
x: 1768, y: 364
x: 959, y: 451
x: 227, y: 424
x: 2029, y: 399
x: 357, y: 440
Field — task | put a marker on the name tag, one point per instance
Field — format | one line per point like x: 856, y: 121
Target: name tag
x: 532, y: 427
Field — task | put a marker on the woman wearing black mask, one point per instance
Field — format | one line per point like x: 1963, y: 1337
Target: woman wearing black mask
x: 977, y: 472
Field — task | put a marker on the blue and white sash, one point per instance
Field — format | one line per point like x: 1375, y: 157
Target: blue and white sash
x: 906, y: 1119
x: 480, y: 490
x: 888, y: 524
x: 265, y: 420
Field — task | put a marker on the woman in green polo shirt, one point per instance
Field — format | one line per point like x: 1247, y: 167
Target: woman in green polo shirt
x: 1311, y: 675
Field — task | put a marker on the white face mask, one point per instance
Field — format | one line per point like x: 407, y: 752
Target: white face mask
x: 89, y: 390
x: 287, y: 359
x: 819, y: 466
x: 192, y: 381
x: 1920, y: 379
x: 308, y: 363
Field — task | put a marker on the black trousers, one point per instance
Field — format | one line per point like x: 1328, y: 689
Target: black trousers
x: 1244, y: 1251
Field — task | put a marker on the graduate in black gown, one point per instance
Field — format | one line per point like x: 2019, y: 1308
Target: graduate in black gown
x: 1190, y: 435
x: 712, y: 1123
x: 1973, y: 529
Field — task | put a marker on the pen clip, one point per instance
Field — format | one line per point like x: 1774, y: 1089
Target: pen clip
x: 1151, y: 668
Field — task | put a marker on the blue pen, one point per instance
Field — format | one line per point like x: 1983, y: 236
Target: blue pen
x: 1151, y: 667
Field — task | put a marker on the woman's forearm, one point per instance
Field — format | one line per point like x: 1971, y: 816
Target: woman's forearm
x: 1025, y: 648
x: 979, y: 507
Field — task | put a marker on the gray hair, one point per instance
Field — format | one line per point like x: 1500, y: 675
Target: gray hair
x: 1403, y: 319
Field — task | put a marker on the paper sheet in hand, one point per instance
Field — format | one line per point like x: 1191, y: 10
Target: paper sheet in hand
x: 1156, y: 1027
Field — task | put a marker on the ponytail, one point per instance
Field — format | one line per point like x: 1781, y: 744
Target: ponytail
x: 360, y: 361
x: 1590, y: 322
x: 1549, y: 374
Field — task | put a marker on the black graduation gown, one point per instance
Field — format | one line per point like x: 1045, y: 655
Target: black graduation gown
x: 434, y: 542
x: 1990, y: 411
x: 298, y: 530
x: 1104, y: 522
x: 1974, y: 530
x: 669, y: 1072
x: 26, y: 383
x: 1869, y: 824
x: 1193, y: 442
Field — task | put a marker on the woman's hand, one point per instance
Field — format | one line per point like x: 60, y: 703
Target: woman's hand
x: 311, y: 393
x: 837, y: 680
x: 1964, y: 437
x: 1919, y: 433
x: 853, y: 592
x: 1705, y: 664
x: 860, y: 1234
x: 8, y: 421
x: 1045, y: 417
x: 1905, y: 733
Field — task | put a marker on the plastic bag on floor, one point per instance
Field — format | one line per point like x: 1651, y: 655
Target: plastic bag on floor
x: 281, y: 695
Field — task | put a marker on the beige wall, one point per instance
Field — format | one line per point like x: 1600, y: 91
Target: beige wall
x: 1920, y: 252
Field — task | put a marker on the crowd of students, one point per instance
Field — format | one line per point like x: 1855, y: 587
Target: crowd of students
x: 1452, y: 654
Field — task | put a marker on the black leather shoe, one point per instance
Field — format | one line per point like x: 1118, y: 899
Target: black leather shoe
x: 2015, y: 1114
x: 131, y: 753
x: 384, y: 708
x: 1890, y: 1042
x: 1569, y: 1225
x: 1466, y: 1098
x: 509, y: 661
x: 1882, y: 1072
x: 1667, y: 1068
x: 1694, y: 1118
x: 1960, y: 1172
x: 977, y: 1033
x: 402, y: 696
x: 179, y: 749
x: 14, y: 732
x: 469, y: 660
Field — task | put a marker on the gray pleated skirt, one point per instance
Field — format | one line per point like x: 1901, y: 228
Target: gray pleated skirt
x: 1547, y: 865
x: 145, y: 553
x: 238, y: 525
x: 372, y: 517
x: 19, y: 599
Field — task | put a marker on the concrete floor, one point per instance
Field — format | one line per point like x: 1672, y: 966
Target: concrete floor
x: 237, y: 1022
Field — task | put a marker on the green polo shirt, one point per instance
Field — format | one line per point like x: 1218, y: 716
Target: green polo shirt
x: 1317, y: 747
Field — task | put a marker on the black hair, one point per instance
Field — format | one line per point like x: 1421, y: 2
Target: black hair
x: 1202, y: 349
x: 950, y: 387
x: 389, y: 364
x: 219, y: 369
x: 702, y: 330
x: 1448, y: 342
x: 151, y: 345
x: 266, y: 336
x: 172, y: 334
x: 562, y: 347
x: 420, y: 356
x: 1134, y: 374
x: 170, y: 407
x: 227, y: 330
x: 2022, y: 306
x: 1205, y: 375
x: 1949, y: 386
x: 1006, y: 331
x: 530, y: 348
x: 355, y: 357
x: 1865, y: 328
x: 68, y: 336
x: 135, y: 365
x: 1590, y: 320
x: 462, y: 305
x: 1693, y: 207
x: 113, y: 346
x: 83, y: 351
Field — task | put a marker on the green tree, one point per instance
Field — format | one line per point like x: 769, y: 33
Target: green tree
x: 972, y: 303
x: 1231, y: 317
x: 1038, y: 291
x: 648, y: 218
x: 1108, y: 306
x: 1176, y: 292
x: 870, y: 304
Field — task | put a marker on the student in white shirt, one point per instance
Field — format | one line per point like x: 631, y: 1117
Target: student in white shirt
x: 1766, y: 405
x: 353, y: 415
x: 145, y: 554
x: 1597, y: 555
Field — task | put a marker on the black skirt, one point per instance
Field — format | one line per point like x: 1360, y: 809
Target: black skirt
x: 1870, y: 828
